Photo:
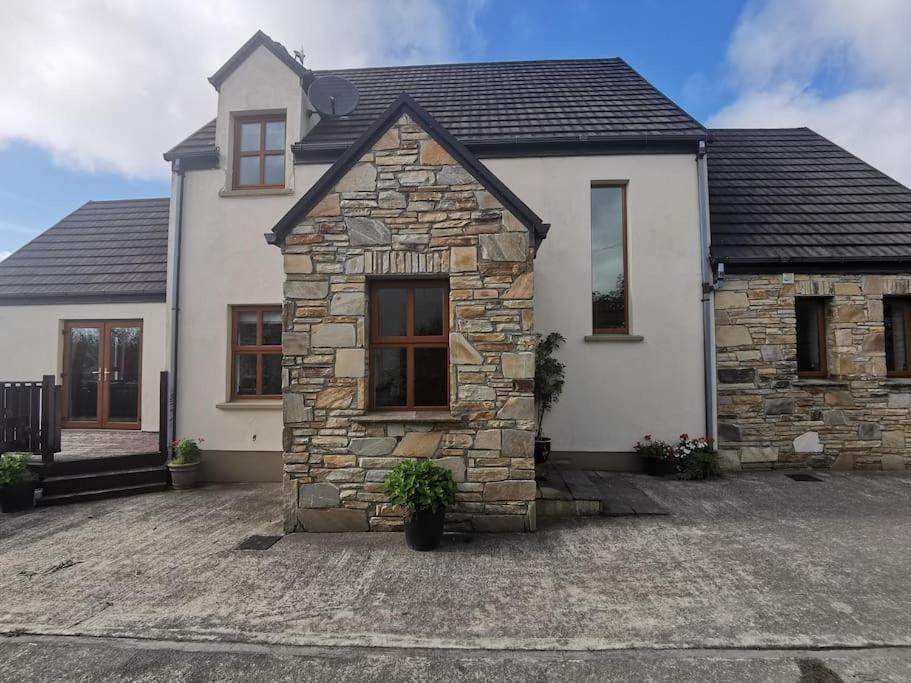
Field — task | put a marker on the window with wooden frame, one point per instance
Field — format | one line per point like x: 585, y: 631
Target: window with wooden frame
x: 897, y: 315
x: 610, y: 291
x: 259, y: 152
x: 409, y: 345
x: 811, y: 336
x: 256, y: 352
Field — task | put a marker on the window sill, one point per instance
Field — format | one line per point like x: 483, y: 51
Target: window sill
x: 253, y: 404
x: 897, y: 381
x: 255, y: 193
x: 820, y: 382
x: 598, y: 338
x: 408, y: 416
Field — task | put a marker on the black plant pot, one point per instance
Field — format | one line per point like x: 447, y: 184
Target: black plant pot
x: 424, y: 529
x: 18, y: 496
x: 658, y: 467
x: 542, y: 449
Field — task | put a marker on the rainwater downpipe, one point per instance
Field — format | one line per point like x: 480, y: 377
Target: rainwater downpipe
x: 708, y: 288
x: 174, y: 310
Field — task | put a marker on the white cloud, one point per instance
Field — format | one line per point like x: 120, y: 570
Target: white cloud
x: 111, y: 85
x: 840, y: 67
x: 4, y: 254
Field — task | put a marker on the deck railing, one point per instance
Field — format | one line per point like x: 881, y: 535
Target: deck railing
x: 30, y: 417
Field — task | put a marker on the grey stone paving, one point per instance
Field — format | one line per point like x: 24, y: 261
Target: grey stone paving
x: 566, y: 492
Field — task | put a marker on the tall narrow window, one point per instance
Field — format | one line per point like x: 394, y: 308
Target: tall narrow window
x: 409, y: 344
x: 897, y: 313
x: 609, y: 278
x: 256, y: 352
x: 811, y: 336
x: 259, y: 152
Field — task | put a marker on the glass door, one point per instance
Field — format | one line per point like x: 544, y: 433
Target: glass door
x: 102, y: 374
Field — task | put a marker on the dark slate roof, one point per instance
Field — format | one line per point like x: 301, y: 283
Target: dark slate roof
x: 791, y: 194
x: 103, y: 251
x: 200, y: 143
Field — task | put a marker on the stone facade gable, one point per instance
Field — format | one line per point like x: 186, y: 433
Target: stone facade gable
x: 406, y: 208
x: 768, y: 416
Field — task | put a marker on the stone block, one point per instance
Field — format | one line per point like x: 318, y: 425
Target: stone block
x: 415, y: 178
x: 728, y: 299
x: 319, y: 495
x: 846, y: 289
x: 893, y: 462
x: 476, y: 393
x: 455, y: 464
x: 753, y: 454
x: 488, y: 439
x: 332, y: 520
x: 510, y: 490
x: 893, y: 439
x: 839, y: 397
x: 517, y: 443
x: 333, y: 335
x: 779, y: 406
x: 900, y: 400
x: 297, y: 264
x: 504, y: 247
x: 306, y: 289
x: 363, y: 231
x: 517, y: 408
x: 874, y: 342
x: 736, y: 375
x: 522, y: 288
x: 463, y: 259
x: 389, y: 140
x: 328, y: 206
x: 461, y: 352
x: 868, y: 431
x: 518, y: 365
x: 295, y: 343
x: 727, y: 431
x: 732, y: 335
x: 729, y: 460
x: 771, y: 352
x: 844, y: 462
x: 488, y: 473
x: 350, y: 362
x: 418, y: 445
x: 359, y: 178
x: 808, y: 442
x: 834, y: 418
x: 335, y: 397
x: 453, y: 175
x: 848, y: 313
x: 348, y: 303
x: 294, y: 410
x: 498, y: 524
x: 390, y: 199
x: 433, y: 154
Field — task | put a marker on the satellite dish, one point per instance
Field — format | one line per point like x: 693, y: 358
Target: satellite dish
x: 333, y: 96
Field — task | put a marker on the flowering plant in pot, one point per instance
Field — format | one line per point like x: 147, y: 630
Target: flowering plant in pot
x: 184, y: 463
x: 424, y: 491
x: 17, y: 482
x: 696, y: 458
x: 658, y: 457
x: 550, y: 376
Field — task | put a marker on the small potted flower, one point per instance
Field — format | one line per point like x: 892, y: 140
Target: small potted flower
x: 184, y: 463
x: 17, y: 482
x: 697, y: 458
x: 424, y: 491
x: 657, y: 456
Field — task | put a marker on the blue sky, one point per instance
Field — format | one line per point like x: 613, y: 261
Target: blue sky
x: 77, y: 124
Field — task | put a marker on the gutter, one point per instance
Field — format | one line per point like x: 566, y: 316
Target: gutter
x: 174, y: 308
x: 708, y: 288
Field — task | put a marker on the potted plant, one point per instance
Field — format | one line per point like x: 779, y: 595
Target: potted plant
x: 658, y: 457
x: 550, y: 375
x: 17, y: 482
x: 697, y: 458
x: 184, y: 464
x: 424, y: 491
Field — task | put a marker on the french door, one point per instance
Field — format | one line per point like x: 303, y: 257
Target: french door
x: 102, y: 378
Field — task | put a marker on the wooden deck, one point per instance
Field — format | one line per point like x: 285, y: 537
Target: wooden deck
x: 564, y: 492
x: 82, y: 444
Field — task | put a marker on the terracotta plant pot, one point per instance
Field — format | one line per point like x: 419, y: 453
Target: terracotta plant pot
x: 542, y: 449
x: 424, y: 529
x: 17, y: 497
x: 184, y: 476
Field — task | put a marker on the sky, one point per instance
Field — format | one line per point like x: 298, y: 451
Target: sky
x: 94, y: 91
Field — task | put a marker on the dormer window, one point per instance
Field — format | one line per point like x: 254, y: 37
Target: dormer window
x: 259, y: 157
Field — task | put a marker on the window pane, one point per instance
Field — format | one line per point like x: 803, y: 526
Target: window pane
x: 249, y: 136
x: 389, y: 383
x: 608, y: 276
x: 246, y: 328
x: 272, y: 374
x: 272, y: 327
x: 275, y: 169
x: 428, y: 311
x: 430, y: 373
x: 809, y: 345
x: 245, y: 374
x: 84, y: 373
x: 392, y: 314
x: 275, y: 135
x: 896, y: 349
x: 249, y: 171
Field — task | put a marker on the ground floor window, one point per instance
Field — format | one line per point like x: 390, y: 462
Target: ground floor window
x: 811, y: 336
x: 409, y: 344
x: 256, y: 352
x: 897, y: 314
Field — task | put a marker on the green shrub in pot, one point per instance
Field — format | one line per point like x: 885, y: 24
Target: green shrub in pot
x: 184, y: 463
x: 17, y: 482
x: 424, y: 491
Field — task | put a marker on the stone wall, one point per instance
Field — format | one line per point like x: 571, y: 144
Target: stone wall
x: 857, y: 418
x: 406, y: 208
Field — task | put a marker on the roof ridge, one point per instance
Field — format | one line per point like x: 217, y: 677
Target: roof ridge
x: 492, y: 62
x: 123, y: 201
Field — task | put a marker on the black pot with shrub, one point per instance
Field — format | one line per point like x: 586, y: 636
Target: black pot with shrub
x: 424, y: 491
x: 550, y: 375
x: 17, y: 482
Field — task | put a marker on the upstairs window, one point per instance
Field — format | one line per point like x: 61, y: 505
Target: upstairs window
x: 256, y: 352
x: 897, y: 314
x: 259, y: 158
x: 609, y: 280
x: 409, y: 345
x: 811, y: 336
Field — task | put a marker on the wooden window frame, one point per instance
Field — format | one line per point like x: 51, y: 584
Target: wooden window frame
x: 259, y: 349
x: 410, y: 342
x: 821, y: 303
x: 261, y: 153
x: 623, y: 185
x: 906, y: 305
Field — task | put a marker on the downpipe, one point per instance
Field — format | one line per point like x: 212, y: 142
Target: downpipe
x: 708, y: 287
x: 174, y: 309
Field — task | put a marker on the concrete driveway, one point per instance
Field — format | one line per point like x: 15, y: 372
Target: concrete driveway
x: 752, y: 562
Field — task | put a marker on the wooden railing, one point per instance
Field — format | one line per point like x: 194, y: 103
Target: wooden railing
x: 30, y: 417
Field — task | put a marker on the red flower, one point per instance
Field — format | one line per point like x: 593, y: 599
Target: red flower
x: 648, y: 437
x: 684, y: 437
